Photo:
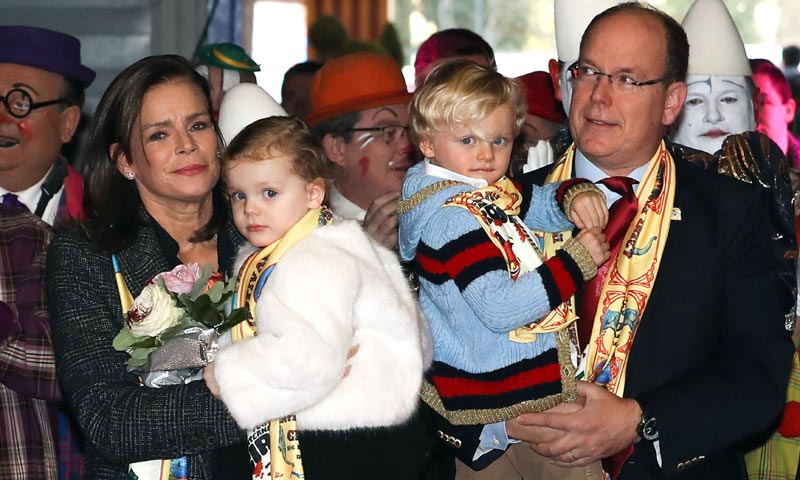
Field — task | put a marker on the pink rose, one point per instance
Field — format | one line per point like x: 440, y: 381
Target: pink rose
x: 181, y: 279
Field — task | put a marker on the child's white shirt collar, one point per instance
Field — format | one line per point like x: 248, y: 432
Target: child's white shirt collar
x: 441, y: 172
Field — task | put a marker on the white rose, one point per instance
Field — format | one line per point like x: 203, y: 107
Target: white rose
x: 153, y: 311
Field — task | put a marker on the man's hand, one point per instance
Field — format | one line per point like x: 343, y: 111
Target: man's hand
x: 599, y: 425
x: 589, y: 210
x: 594, y: 241
x: 211, y: 382
x: 380, y: 221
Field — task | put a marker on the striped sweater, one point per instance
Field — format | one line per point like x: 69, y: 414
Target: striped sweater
x: 472, y: 304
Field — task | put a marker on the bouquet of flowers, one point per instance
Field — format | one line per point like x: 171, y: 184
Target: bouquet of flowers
x: 172, y: 329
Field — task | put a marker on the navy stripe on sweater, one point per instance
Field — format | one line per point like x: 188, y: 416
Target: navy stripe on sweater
x: 471, y: 255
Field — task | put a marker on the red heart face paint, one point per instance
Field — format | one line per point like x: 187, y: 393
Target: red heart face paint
x: 363, y: 165
x: 26, y: 130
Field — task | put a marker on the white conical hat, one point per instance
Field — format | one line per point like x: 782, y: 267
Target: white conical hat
x: 715, y: 46
x: 572, y: 17
x: 244, y: 104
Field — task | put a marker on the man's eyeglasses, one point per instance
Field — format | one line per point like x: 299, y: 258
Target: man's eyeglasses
x: 19, y: 103
x: 621, y: 81
x: 389, y: 133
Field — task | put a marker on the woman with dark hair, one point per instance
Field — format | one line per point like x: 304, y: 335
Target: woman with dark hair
x: 153, y: 203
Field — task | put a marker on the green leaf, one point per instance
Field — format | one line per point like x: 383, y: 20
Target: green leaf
x: 236, y: 316
x: 141, y: 353
x: 215, y: 292
x: 126, y: 340
x: 123, y: 340
x: 200, y: 285
x: 170, y: 332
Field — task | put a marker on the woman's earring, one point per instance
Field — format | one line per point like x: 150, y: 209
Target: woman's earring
x: 130, y: 175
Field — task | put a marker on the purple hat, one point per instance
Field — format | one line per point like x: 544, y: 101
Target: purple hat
x: 45, y: 49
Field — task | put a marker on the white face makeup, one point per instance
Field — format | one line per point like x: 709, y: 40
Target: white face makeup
x: 716, y: 106
x: 565, y: 82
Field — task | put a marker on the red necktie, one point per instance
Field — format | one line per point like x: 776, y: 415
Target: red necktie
x: 619, y: 218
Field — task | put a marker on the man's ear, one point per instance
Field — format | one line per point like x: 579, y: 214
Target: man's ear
x: 426, y: 147
x: 555, y: 71
x: 316, y: 193
x: 334, y: 148
x: 70, y: 117
x: 673, y: 102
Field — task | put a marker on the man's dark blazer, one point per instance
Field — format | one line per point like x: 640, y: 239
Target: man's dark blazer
x: 123, y: 422
x: 711, y: 357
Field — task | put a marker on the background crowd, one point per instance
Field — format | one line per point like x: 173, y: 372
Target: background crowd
x: 678, y: 350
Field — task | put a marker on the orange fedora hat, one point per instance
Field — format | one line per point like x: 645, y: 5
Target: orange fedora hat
x: 355, y: 82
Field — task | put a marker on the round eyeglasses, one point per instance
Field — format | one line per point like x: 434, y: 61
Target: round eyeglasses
x: 390, y: 133
x: 19, y: 103
x: 621, y: 81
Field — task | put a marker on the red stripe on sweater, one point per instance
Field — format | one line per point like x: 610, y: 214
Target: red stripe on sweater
x: 563, y: 280
x: 459, y: 387
x: 462, y: 260
x: 431, y: 265
x: 470, y: 257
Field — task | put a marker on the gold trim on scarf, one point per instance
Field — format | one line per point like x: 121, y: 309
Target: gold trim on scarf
x: 630, y: 278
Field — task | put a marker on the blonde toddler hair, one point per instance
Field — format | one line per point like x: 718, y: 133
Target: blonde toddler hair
x: 460, y: 91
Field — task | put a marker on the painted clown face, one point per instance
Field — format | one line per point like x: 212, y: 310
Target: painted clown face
x: 716, y: 106
x: 565, y: 84
x: 372, y: 163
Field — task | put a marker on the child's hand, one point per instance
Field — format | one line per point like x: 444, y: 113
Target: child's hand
x: 380, y: 222
x: 211, y: 382
x: 588, y: 211
x: 594, y: 241
x: 350, y: 354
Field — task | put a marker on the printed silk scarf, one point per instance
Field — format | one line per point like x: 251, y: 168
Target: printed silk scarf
x: 496, y: 208
x: 631, y: 275
x: 276, y: 441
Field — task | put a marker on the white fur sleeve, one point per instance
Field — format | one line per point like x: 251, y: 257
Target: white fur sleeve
x: 303, y: 318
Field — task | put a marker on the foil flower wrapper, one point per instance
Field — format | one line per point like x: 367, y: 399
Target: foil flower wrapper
x: 180, y: 359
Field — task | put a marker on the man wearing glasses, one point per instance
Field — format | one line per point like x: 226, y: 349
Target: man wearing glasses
x: 684, y: 354
x: 358, y: 111
x: 42, y: 84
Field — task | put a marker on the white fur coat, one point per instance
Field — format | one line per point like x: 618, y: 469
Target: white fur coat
x: 337, y: 288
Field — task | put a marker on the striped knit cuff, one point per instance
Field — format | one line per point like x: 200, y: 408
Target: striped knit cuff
x: 582, y: 258
x: 570, y: 189
x: 561, y: 276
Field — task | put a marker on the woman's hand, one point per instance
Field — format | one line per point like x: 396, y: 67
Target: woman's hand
x: 211, y: 382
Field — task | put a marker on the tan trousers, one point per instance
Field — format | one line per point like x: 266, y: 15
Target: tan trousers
x: 520, y: 462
